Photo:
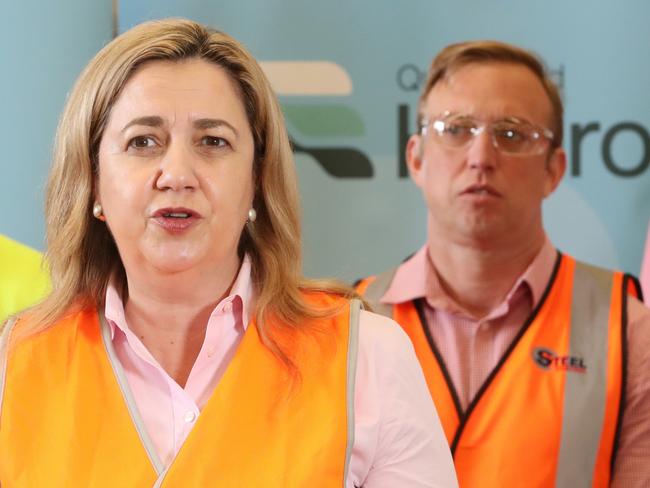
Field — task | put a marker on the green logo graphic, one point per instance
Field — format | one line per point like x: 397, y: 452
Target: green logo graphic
x: 295, y: 79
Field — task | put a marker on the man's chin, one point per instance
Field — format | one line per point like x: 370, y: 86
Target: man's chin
x: 483, y: 232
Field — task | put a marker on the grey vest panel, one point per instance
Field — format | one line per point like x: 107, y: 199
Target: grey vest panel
x: 353, y: 349
x: 583, y: 413
x: 376, y: 290
x: 120, y: 375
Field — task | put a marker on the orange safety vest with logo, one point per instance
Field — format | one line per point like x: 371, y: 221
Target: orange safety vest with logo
x: 549, y: 413
x: 68, y: 418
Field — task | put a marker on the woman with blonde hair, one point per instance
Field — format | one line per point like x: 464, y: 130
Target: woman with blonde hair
x: 180, y: 345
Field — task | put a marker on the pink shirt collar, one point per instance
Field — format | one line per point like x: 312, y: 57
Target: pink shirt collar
x: 240, y: 298
x: 417, y: 278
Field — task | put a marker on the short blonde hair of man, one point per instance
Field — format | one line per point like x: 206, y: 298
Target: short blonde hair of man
x: 455, y: 56
x: 82, y: 254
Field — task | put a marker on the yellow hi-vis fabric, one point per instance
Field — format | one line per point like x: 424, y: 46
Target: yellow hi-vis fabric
x: 548, y: 414
x: 68, y: 419
x: 22, y: 279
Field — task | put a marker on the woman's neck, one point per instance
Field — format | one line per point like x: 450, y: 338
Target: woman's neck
x: 169, y: 313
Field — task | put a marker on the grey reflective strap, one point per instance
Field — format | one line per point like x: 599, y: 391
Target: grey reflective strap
x: 376, y: 290
x: 353, y: 350
x: 585, y: 393
x: 4, y: 344
x: 128, y: 396
x: 160, y: 479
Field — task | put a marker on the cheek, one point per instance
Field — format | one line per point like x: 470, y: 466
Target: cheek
x: 230, y: 193
x: 528, y: 185
x: 230, y: 185
x: 121, y: 192
x: 438, y: 180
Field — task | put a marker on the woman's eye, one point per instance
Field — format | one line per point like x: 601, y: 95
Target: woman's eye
x: 214, y: 141
x: 142, y: 142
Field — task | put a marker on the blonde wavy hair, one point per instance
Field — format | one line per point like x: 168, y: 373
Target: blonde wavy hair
x: 81, y: 252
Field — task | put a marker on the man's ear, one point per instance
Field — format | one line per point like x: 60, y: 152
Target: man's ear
x: 555, y: 168
x: 414, y: 151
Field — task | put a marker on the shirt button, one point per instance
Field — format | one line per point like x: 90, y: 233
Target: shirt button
x: 189, y: 416
x: 227, y: 307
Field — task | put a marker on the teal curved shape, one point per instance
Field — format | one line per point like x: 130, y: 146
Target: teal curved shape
x: 324, y: 120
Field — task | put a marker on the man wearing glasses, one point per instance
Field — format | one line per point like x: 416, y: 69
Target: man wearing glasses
x: 538, y: 363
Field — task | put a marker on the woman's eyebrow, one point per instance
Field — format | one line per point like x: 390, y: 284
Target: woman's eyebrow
x: 147, y: 120
x: 212, y: 123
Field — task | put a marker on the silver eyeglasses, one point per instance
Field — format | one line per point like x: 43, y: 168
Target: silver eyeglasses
x: 510, y: 135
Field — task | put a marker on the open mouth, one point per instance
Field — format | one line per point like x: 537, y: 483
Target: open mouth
x: 176, y: 220
x: 175, y: 213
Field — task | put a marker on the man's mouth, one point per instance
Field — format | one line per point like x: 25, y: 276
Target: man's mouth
x: 480, y: 190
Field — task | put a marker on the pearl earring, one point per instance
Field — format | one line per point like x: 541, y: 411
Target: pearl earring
x: 97, y: 210
x: 252, y: 215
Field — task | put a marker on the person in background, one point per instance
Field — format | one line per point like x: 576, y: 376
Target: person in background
x: 538, y: 364
x: 23, y: 281
x: 180, y: 345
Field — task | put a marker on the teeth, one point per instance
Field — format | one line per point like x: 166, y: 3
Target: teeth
x: 177, y: 215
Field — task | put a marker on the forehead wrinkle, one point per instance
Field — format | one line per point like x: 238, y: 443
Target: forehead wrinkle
x: 209, y: 123
x: 146, y: 120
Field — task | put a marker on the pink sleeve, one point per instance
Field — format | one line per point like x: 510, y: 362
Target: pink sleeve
x: 632, y: 469
x: 399, y: 441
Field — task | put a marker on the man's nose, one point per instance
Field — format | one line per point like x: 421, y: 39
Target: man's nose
x: 481, y: 153
x: 177, y: 168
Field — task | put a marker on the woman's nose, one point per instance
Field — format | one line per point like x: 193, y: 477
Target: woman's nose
x: 177, y: 168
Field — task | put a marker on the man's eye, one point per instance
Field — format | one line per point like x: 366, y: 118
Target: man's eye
x: 142, y: 142
x: 214, y: 141
x: 511, y: 133
x: 457, y: 130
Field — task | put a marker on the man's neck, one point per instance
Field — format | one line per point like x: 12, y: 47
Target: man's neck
x: 478, y: 275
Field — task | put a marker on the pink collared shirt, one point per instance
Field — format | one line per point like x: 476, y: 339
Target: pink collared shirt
x: 398, y: 440
x: 471, y: 348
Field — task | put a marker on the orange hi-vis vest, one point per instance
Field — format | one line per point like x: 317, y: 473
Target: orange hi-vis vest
x: 68, y: 418
x: 549, y: 413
